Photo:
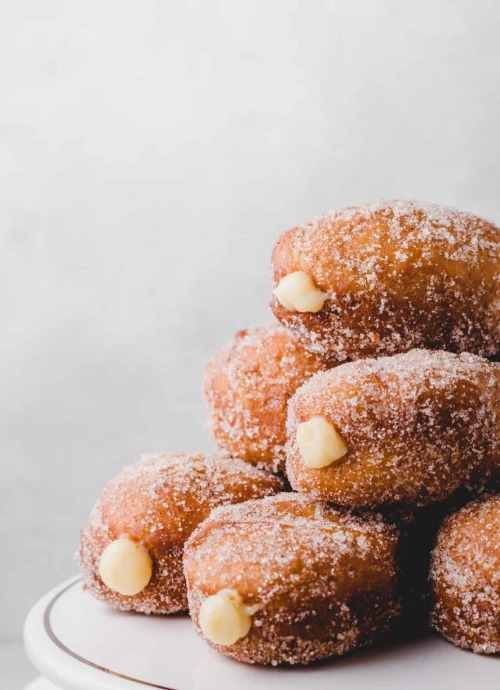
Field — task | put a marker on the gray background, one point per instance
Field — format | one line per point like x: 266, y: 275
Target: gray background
x: 150, y: 154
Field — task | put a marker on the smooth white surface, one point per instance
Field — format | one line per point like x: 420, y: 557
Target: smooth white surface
x: 165, y: 652
x: 150, y: 154
x: 42, y: 684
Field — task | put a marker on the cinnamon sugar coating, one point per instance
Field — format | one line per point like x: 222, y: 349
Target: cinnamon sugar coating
x: 417, y: 426
x: 158, y: 502
x: 398, y: 275
x: 323, y: 580
x: 465, y: 577
x: 247, y: 386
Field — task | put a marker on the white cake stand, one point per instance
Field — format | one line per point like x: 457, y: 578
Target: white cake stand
x: 78, y: 643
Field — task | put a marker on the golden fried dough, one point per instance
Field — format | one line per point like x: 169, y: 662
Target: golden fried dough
x: 247, y: 386
x: 131, y: 547
x: 387, y: 277
x: 411, y: 428
x: 465, y: 577
x: 291, y: 580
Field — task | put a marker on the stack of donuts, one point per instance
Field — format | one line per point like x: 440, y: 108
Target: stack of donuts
x: 355, y: 489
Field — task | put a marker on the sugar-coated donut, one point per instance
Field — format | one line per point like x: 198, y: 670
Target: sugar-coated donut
x: 289, y: 580
x: 247, y: 385
x: 131, y: 547
x: 410, y: 428
x: 465, y: 577
x: 387, y: 277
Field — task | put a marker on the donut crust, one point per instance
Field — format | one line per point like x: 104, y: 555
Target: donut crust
x: 417, y: 426
x: 247, y: 386
x: 325, y: 580
x: 398, y: 275
x: 465, y: 577
x: 159, y: 501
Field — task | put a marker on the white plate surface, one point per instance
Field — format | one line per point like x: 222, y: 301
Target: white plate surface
x: 81, y: 644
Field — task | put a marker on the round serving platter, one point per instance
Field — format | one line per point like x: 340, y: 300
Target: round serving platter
x: 78, y: 643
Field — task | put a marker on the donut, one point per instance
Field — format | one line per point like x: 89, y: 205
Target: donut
x: 290, y: 580
x: 465, y: 577
x: 131, y: 546
x: 247, y: 385
x: 411, y: 428
x: 387, y: 277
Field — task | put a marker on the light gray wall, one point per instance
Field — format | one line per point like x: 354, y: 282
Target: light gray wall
x: 150, y: 154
